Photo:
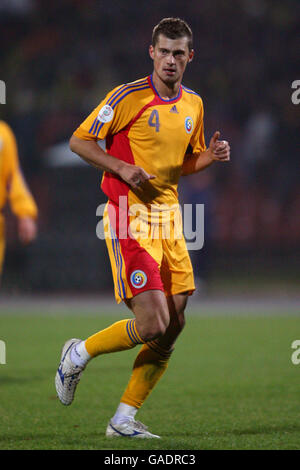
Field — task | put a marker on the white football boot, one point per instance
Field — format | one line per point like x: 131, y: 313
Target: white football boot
x: 130, y: 428
x: 68, y: 374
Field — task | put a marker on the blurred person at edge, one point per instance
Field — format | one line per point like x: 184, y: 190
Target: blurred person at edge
x: 13, y: 188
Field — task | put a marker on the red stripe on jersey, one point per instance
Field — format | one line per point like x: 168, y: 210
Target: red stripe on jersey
x: 118, y: 146
x: 152, y: 103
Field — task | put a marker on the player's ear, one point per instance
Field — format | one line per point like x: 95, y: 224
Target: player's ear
x: 151, y: 51
x: 191, y: 55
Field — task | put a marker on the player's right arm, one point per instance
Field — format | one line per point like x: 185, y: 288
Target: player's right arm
x: 111, y: 116
x: 90, y: 151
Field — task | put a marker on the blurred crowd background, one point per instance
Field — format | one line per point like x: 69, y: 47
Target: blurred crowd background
x: 60, y: 58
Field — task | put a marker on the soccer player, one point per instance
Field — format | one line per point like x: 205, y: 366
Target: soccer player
x: 148, y: 125
x: 14, y: 189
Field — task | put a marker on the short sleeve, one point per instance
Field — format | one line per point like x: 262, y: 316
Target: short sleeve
x: 109, y: 117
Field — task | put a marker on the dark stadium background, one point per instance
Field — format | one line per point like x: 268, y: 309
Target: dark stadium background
x: 59, y: 59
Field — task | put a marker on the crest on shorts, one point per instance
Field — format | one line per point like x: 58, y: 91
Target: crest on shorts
x: 105, y: 114
x: 188, y: 124
x: 138, y: 279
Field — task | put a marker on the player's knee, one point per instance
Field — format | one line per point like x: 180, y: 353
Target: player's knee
x: 152, y: 333
x: 155, y: 331
x: 154, y: 327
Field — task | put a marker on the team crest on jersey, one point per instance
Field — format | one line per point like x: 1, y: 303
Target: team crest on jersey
x: 105, y: 114
x: 188, y: 124
x: 138, y: 279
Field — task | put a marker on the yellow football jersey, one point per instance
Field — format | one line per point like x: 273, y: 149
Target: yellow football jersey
x: 154, y: 133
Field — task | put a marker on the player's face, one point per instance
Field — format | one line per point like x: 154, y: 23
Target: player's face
x: 170, y: 58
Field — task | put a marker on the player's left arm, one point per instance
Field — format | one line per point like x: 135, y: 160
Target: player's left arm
x: 218, y: 151
x: 202, y: 157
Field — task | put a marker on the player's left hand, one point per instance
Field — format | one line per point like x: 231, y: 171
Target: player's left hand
x: 27, y: 229
x: 219, y: 149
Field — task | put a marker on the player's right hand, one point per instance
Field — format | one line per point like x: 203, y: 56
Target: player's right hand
x: 134, y: 175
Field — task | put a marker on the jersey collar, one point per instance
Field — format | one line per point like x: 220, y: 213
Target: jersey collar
x: 163, y: 101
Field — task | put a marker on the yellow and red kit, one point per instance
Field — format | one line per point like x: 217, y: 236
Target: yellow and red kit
x: 143, y: 129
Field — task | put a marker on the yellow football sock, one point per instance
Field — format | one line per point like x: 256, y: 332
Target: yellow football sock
x: 119, y: 336
x: 150, y: 364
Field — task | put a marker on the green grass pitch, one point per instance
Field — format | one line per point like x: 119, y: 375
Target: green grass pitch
x: 230, y: 385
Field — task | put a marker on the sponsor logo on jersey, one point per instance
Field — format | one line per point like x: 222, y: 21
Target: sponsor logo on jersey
x: 174, y: 109
x: 189, y: 124
x: 105, y: 114
x: 138, y: 279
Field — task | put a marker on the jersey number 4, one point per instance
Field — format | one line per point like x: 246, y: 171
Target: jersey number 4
x: 154, y: 120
